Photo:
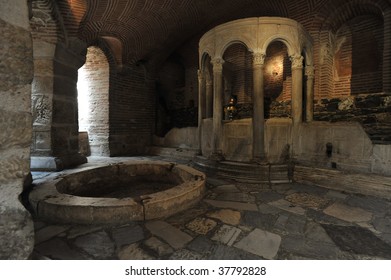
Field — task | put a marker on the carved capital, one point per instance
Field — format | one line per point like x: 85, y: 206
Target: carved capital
x: 297, y: 61
x: 201, y: 76
x: 217, y: 64
x: 309, y: 71
x: 258, y: 59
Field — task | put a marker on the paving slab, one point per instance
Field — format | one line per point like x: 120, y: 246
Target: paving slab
x: 184, y: 254
x: 98, y: 244
x: 226, y: 216
x: 58, y: 249
x: 288, y: 206
x: 49, y: 232
x: 161, y: 248
x: 133, y: 252
x: 307, y: 200
x: 268, y: 196
x: 173, y: 236
x: 201, y: 225
x: 78, y: 230
x: 232, y: 205
x: 259, y: 220
x: 336, y: 195
x: 260, y: 242
x: 348, y: 213
x: 238, y: 197
x: 127, y: 235
x: 268, y: 209
x: 224, y: 252
x: 382, y: 224
x: 226, y: 189
x: 216, y: 182
x: 200, y: 244
x: 226, y: 234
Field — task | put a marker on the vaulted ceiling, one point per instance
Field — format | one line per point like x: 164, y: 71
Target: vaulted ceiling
x: 150, y: 30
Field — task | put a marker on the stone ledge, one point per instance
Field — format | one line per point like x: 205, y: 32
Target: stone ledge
x: 366, y: 184
x: 56, y: 163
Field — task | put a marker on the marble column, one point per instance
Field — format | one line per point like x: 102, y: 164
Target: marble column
x: 297, y: 88
x: 217, y: 108
x: 258, y: 107
x: 209, y: 98
x: 309, y: 72
x: 201, y: 109
x: 387, y: 52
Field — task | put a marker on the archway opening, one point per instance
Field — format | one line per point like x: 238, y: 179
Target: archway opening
x: 93, y: 104
x: 277, y: 81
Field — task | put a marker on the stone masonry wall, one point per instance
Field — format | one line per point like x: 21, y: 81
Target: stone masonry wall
x: 16, y: 73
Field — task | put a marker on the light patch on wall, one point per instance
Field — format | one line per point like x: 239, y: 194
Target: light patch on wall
x: 275, y: 66
x: 83, y: 95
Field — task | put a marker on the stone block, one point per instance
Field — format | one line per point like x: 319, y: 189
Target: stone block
x: 173, y: 236
x: 227, y: 235
x: 98, y: 245
x: 348, y: 213
x: 201, y: 225
x: 261, y: 243
x: 226, y: 216
x: 15, y: 130
x: 133, y: 252
x: 232, y: 205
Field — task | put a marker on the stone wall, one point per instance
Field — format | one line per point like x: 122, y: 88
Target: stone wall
x: 16, y: 73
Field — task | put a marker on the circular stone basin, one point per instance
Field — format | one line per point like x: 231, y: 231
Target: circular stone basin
x: 132, y: 191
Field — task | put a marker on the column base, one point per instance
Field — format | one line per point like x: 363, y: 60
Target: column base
x: 261, y: 160
x: 216, y: 156
x: 56, y: 163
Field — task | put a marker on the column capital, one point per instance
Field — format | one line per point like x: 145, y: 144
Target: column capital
x: 297, y: 61
x: 200, y: 75
x: 217, y: 64
x: 258, y: 59
x: 309, y: 71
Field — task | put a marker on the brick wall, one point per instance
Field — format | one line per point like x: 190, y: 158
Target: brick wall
x: 93, y: 98
x: 132, y: 111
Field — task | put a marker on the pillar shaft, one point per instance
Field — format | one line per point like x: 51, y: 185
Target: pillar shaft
x: 387, y: 52
x: 258, y: 107
x: 297, y: 88
x: 209, y: 99
x: 309, y: 72
x: 217, y: 106
x: 201, y: 109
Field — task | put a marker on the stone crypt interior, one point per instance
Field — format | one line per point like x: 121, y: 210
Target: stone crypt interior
x: 270, y: 120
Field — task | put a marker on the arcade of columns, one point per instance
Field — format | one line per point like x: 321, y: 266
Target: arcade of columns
x: 256, y: 34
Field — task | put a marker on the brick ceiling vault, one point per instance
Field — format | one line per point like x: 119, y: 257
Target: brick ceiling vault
x: 150, y: 30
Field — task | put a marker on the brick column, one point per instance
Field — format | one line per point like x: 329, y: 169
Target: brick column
x: 309, y: 72
x: 201, y: 109
x: 387, y: 52
x: 297, y: 88
x: 217, y: 108
x: 258, y: 107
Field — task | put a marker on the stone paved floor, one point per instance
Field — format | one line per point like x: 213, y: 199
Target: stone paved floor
x: 236, y: 221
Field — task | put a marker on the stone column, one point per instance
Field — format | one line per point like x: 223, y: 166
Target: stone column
x: 201, y: 109
x: 309, y: 72
x: 258, y: 108
x: 217, y: 109
x: 209, y: 98
x: 387, y: 52
x: 55, y: 109
x: 297, y: 88
x: 16, y: 73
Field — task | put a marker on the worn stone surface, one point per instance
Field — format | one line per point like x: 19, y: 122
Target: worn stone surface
x: 358, y: 240
x: 133, y: 252
x: 46, y: 233
x: 226, y: 189
x: 98, y: 245
x: 201, y: 225
x: 127, y: 235
x: 262, y: 243
x: 173, y: 236
x: 288, y: 206
x: 268, y: 196
x: 232, y: 205
x: 77, y: 231
x: 259, y: 220
x: 184, y: 254
x: 226, y: 216
x: 227, y: 235
x: 58, y: 249
x: 200, y: 244
x: 224, y: 252
x: 348, y: 213
x: 161, y: 248
x: 239, y: 197
x: 307, y: 200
